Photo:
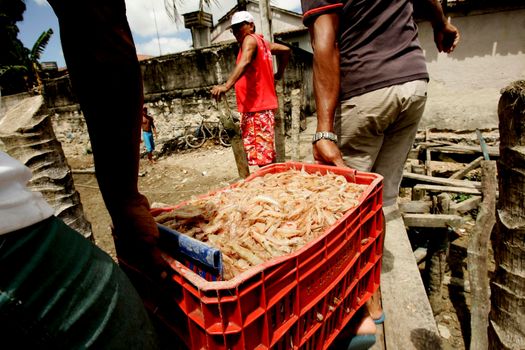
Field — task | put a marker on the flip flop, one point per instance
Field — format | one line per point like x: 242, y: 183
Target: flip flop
x: 361, y: 342
x: 380, y: 319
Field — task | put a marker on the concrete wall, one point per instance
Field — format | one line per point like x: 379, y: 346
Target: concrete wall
x: 176, y: 92
x: 465, y: 86
x: 463, y: 91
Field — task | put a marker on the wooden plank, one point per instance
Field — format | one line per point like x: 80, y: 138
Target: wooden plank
x: 449, y: 189
x: 425, y: 179
x: 416, y: 207
x: 493, y: 151
x: 465, y: 206
x: 431, y: 220
x: 471, y: 166
x: 296, y: 128
x: 234, y: 132
x: 428, y: 166
x: 478, y: 260
x: 409, y: 323
x: 279, y: 129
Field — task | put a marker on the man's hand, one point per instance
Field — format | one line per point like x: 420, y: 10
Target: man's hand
x: 136, y: 237
x: 327, y: 152
x: 446, y: 37
x: 218, y: 90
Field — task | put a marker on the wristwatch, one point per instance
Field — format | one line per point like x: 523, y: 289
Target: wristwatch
x: 324, y: 135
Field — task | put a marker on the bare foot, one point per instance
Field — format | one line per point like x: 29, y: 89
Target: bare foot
x: 374, y: 305
x: 366, y: 326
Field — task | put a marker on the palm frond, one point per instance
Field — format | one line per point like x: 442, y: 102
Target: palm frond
x: 172, y: 7
x: 40, y: 45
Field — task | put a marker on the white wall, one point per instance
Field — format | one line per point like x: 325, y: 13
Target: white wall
x: 465, y: 86
x: 281, y: 22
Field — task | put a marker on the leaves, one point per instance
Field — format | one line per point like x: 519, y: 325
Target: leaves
x: 172, y: 7
x: 40, y: 45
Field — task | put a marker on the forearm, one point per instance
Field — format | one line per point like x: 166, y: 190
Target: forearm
x: 433, y: 12
x: 282, y: 54
x: 326, y: 71
x: 237, y: 73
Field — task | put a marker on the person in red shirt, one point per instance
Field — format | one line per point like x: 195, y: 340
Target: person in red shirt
x: 254, y: 87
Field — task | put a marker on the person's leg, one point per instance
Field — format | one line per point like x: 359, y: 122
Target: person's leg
x: 248, y: 136
x: 150, y: 145
x: 265, y: 137
x: 399, y: 137
x: 358, y: 334
x: 59, y: 291
x: 360, y: 123
x: 257, y: 130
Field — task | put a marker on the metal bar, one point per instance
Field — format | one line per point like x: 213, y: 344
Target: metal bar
x: 483, y: 145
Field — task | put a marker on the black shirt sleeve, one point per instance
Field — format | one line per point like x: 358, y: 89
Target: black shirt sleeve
x: 314, y: 8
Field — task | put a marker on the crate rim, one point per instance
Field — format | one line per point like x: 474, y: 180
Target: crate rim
x: 203, y: 285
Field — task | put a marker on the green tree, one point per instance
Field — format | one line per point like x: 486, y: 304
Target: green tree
x: 13, y: 55
x: 19, y: 66
x: 36, y: 52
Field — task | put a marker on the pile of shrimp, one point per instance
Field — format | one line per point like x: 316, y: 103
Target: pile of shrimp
x: 267, y: 217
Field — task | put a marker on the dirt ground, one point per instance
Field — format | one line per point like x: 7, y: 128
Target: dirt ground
x: 170, y: 180
x: 178, y: 176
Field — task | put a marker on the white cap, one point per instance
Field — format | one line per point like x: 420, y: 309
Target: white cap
x: 241, y: 16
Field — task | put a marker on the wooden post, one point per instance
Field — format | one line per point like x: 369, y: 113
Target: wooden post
x: 471, y: 166
x: 296, y: 119
x: 266, y: 19
x: 234, y: 133
x: 280, y: 141
x: 508, y: 285
x: 477, y: 258
x: 436, y: 262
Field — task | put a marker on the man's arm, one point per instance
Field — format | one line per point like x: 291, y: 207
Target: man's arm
x: 326, y: 81
x: 249, y: 49
x: 153, y: 128
x: 446, y: 36
x: 283, y: 54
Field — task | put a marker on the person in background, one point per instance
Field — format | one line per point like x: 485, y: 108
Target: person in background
x: 148, y: 130
x: 57, y: 289
x: 253, y: 79
x: 370, y: 82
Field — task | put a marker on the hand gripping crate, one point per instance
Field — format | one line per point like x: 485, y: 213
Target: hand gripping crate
x: 298, y: 301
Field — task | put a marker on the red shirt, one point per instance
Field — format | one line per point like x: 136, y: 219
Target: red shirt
x: 255, y: 90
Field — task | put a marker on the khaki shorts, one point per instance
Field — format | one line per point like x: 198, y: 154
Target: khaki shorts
x: 376, y: 131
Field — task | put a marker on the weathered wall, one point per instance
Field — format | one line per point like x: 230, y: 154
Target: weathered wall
x: 176, y: 91
x: 465, y: 86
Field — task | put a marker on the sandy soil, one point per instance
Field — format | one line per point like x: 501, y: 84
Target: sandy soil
x: 170, y: 180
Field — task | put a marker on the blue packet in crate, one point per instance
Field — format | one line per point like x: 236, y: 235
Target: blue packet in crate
x: 199, y: 257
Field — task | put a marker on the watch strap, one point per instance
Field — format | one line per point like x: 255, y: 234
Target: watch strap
x: 327, y: 135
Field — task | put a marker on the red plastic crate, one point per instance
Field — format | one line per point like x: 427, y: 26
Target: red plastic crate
x: 298, y: 301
